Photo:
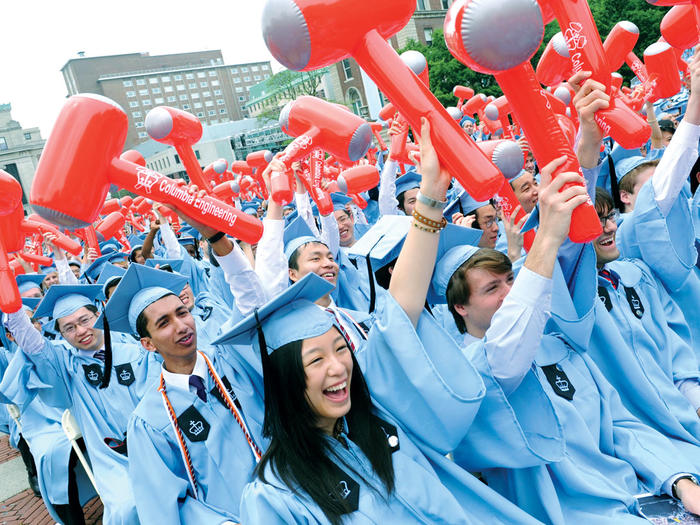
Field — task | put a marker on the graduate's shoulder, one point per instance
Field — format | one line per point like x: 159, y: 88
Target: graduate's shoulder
x: 150, y: 413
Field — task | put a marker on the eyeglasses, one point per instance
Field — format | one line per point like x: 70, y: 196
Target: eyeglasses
x: 85, y: 322
x: 612, y: 216
x: 486, y: 225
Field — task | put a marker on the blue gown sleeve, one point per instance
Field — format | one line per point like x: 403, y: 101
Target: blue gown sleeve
x: 420, y: 376
x: 159, y: 481
x: 263, y: 504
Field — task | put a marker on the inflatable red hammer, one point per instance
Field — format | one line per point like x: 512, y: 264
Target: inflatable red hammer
x: 619, y: 48
x: 679, y: 27
x: 695, y: 4
x: 306, y: 35
x: 81, y: 160
x: 472, y: 34
x: 554, y: 66
x: 10, y: 194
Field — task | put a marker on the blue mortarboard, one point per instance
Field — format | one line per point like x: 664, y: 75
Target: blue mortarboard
x: 109, y: 273
x: 30, y: 303
x: 136, y: 240
x: 625, y: 166
x: 64, y: 299
x: 109, y: 246
x: 75, y: 263
x: 291, y: 316
x: 407, y: 182
x: 184, y: 240
x: 383, y: 242
x: 189, y: 231
x: 93, y: 271
x: 296, y: 234
x: 29, y: 281
x: 291, y: 204
x: 467, y: 119
x: 339, y: 200
x: 290, y: 217
x: 175, y: 264
x: 462, y: 203
x: 140, y: 287
x: 446, y: 266
x: 250, y: 207
x: 522, y: 172
x: 46, y: 270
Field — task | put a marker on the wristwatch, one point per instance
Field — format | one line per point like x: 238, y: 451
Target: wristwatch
x: 432, y: 203
x: 685, y: 476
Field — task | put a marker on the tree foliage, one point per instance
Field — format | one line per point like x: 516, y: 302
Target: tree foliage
x: 446, y: 72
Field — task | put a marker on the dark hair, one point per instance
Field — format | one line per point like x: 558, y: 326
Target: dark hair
x: 603, y: 201
x: 132, y: 255
x: 90, y: 308
x: 383, y: 275
x: 458, y: 291
x: 694, y: 183
x: 476, y: 224
x: 667, y: 125
x: 299, y: 452
x: 401, y: 197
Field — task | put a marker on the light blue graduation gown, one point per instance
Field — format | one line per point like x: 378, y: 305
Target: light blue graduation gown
x: 648, y: 355
x: 667, y: 245
x: 352, y: 290
x: 223, y: 462
x: 63, y: 380
x: 209, y: 314
x: 607, y: 448
x: 41, y: 428
x: 431, y: 394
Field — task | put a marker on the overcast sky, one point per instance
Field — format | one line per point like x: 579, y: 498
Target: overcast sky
x: 40, y: 36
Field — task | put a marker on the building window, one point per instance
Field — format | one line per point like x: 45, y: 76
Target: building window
x: 159, y: 100
x: 244, y: 70
x: 131, y: 93
x: 421, y: 5
x: 257, y: 77
x: 168, y: 89
x: 214, y: 83
x: 178, y: 77
x: 203, y: 84
x: 206, y: 94
x: 180, y: 87
x: 172, y: 99
x: 155, y: 90
x: 197, y: 105
x: 347, y: 68
x: 139, y: 124
x: 212, y: 73
x: 217, y: 92
x: 133, y: 104
x: 445, y: 4
x: 241, y: 99
x: 237, y: 80
x: 209, y: 103
x: 220, y: 102
x: 355, y: 100
x: 183, y: 97
x: 27, y: 136
x: 201, y: 74
x: 136, y: 114
x: 127, y: 83
x: 177, y: 159
x: 189, y: 76
x: 246, y: 79
x: 428, y: 33
x: 194, y: 95
x: 222, y: 111
x: 200, y: 114
x: 165, y: 79
x: 267, y: 76
x: 153, y: 80
x: 265, y: 67
x: 254, y: 68
x: 193, y: 85
x: 185, y: 106
x: 234, y: 70
x: 239, y: 90
x: 211, y: 112
x: 140, y: 82
x: 143, y: 134
x: 146, y: 102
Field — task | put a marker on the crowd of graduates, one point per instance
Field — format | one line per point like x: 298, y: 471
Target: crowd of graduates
x: 405, y: 362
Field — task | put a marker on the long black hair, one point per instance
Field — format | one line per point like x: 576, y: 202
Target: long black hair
x: 299, y: 452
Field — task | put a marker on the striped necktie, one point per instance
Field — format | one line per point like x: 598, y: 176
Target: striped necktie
x: 342, y: 328
x: 100, y: 355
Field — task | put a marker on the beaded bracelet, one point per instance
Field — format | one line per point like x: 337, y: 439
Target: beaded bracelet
x: 437, y: 225
x: 423, y: 228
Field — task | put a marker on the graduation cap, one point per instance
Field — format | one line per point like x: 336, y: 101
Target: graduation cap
x: 340, y: 200
x: 290, y: 217
x: 108, y: 275
x: 29, y: 281
x: 462, y: 203
x: 109, y: 246
x: 93, y: 271
x: 136, y: 240
x: 297, y: 234
x: 64, y: 299
x: 46, y: 270
x: 140, y: 287
x: 251, y: 207
x: 291, y: 316
x: 628, y: 164
x: 175, y: 264
x: 189, y: 231
x: 75, y: 263
x: 30, y: 303
x: 407, y: 182
x: 447, y: 265
x: 184, y: 240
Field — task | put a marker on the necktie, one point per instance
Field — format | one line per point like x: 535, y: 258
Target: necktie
x: 100, y: 354
x: 342, y: 329
x: 611, y: 276
x: 197, y: 383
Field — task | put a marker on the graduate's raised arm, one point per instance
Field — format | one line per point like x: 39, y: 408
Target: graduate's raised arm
x: 414, y: 267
